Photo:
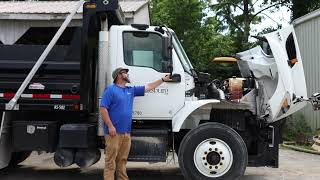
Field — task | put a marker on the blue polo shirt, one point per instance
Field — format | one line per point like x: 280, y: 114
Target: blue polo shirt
x: 119, y: 103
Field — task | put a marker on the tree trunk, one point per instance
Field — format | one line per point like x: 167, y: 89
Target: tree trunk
x: 246, y: 30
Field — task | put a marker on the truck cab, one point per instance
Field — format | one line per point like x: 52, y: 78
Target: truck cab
x: 142, y: 52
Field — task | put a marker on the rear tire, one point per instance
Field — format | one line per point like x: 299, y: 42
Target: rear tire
x: 16, y: 157
x: 64, y: 157
x: 213, y: 151
x: 87, y: 157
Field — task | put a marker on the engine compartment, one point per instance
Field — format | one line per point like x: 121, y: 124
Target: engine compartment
x: 271, y: 83
x: 235, y: 88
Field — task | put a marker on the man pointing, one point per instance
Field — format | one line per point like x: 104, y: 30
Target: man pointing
x: 116, y: 111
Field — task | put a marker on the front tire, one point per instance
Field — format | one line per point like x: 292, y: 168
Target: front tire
x: 213, y: 151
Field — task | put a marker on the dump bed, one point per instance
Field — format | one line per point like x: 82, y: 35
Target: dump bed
x: 56, y: 83
x: 68, y: 78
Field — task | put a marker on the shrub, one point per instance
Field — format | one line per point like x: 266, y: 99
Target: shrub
x: 296, y: 129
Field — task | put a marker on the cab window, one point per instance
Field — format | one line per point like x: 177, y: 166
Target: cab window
x: 144, y: 49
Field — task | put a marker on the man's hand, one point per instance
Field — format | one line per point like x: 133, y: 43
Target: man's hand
x: 106, y: 118
x: 157, y: 83
x: 166, y: 78
x: 112, y: 131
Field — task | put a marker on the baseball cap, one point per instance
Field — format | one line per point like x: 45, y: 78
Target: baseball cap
x: 117, y: 71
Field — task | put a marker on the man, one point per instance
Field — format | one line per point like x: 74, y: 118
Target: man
x: 116, y: 111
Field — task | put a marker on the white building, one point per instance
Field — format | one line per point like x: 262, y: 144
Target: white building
x: 307, y: 29
x: 18, y: 16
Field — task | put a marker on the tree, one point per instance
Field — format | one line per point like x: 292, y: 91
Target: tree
x: 197, y: 31
x: 237, y: 16
x: 302, y: 7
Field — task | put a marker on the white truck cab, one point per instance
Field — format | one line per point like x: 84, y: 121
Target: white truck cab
x: 141, y: 51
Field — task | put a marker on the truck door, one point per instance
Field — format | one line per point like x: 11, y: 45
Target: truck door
x: 291, y: 83
x: 142, y: 55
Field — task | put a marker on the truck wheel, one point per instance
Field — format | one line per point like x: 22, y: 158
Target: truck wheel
x: 18, y: 157
x: 213, y: 151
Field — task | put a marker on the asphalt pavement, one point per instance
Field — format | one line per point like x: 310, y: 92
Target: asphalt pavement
x: 293, y: 166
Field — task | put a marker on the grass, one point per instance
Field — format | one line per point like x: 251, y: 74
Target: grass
x: 301, y: 148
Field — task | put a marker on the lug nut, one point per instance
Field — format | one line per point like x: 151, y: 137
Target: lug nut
x: 210, y: 149
x: 216, y: 167
x: 216, y: 149
x: 210, y: 167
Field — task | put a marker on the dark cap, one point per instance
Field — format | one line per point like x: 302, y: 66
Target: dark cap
x: 117, y: 71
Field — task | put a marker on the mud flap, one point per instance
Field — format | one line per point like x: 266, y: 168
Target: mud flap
x: 5, y: 143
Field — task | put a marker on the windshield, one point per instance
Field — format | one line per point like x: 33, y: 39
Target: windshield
x: 182, y: 54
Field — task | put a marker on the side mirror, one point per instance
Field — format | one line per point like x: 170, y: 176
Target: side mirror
x: 167, y: 48
x: 175, y: 78
x: 315, y: 101
x: 316, y: 95
x: 166, y: 67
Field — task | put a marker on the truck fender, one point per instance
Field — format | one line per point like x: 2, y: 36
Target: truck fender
x: 188, y: 108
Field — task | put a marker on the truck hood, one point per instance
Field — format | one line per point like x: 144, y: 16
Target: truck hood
x: 279, y: 75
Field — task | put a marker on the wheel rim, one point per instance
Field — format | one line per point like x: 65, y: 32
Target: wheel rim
x: 213, y: 157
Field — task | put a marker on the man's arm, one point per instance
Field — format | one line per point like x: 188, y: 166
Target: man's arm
x: 106, y: 118
x: 157, y: 83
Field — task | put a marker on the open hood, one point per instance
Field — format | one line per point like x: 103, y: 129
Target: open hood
x: 280, y: 75
x: 291, y: 84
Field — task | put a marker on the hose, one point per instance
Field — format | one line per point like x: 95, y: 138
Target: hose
x: 300, y: 149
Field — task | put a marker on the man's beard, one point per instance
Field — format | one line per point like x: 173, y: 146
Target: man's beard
x: 126, y: 79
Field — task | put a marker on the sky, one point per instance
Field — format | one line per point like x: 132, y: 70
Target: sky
x: 282, y: 16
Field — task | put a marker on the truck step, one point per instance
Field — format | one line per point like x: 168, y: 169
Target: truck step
x: 149, y: 145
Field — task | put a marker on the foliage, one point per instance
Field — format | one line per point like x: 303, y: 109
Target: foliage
x: 237, y: 16
x: 297, y: 129
x: 223, y: 33
x: 302, y: 7
x: 197, y: 32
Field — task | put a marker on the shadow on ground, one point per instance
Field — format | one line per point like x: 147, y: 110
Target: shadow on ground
x: 32, y: 173
x: 35, y: 173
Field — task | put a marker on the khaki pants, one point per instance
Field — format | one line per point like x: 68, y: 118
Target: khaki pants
x: 117, y: 151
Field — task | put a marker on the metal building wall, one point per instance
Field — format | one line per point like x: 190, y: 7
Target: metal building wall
x: 308, y: 34
x: 11, y: 30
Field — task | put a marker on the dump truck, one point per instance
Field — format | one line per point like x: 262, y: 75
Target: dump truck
x: 49, y: 97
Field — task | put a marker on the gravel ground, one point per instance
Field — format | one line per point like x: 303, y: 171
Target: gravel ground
x: 293, y: 166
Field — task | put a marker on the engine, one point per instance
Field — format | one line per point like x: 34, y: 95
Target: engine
x: 231, y: 89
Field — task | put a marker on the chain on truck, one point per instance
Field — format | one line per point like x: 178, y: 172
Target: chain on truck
x: 217, y: 128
